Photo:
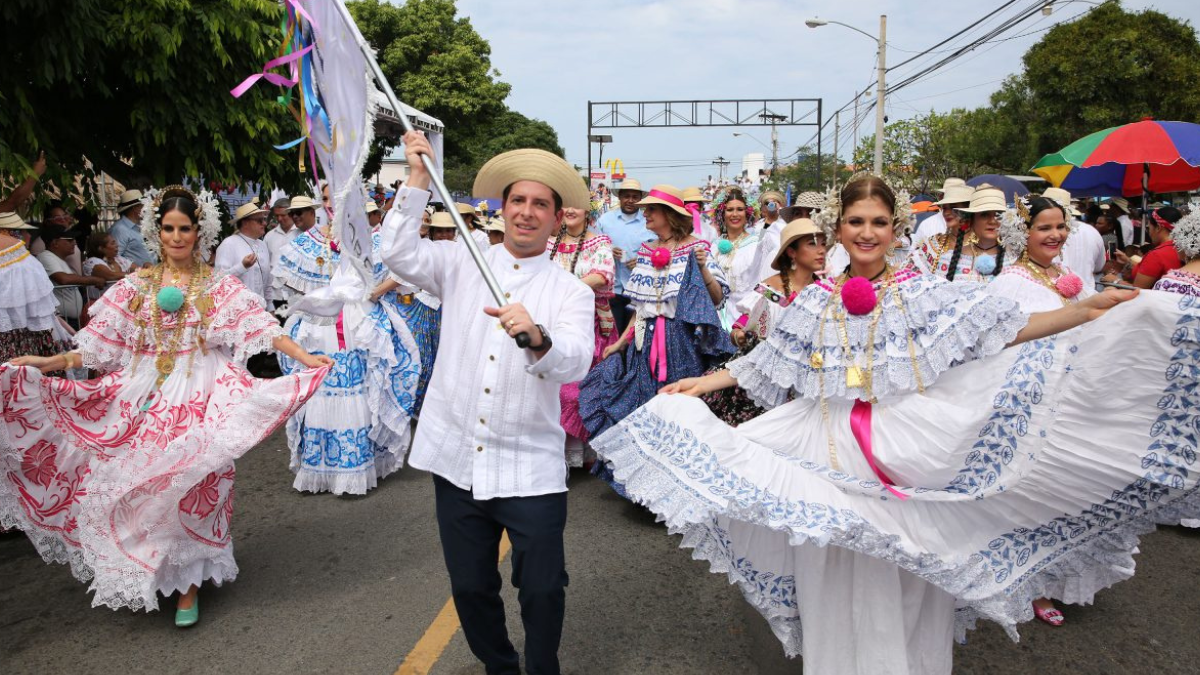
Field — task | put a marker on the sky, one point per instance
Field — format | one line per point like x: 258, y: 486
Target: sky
x: 559, y: 54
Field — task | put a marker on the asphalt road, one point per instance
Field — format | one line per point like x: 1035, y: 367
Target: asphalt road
x: 350, y: 585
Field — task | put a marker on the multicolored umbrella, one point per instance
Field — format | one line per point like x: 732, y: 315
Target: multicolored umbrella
x: 1128, y: 160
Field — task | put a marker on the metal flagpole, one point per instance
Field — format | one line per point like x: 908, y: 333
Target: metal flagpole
x: 439, y: 186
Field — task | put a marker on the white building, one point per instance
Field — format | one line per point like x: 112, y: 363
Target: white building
x: 752, y: 166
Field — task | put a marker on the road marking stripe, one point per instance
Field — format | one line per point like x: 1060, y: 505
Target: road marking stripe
x: 429, y: 648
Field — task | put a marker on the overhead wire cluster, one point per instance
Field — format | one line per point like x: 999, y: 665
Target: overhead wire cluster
x: 934, y: 60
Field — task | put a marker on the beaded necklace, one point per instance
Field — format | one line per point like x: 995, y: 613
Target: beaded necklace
x: 168, y: 340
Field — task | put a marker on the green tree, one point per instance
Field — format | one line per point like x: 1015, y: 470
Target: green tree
x: 437, y: 62
x: 140, y: 88
x: 1110, y: 67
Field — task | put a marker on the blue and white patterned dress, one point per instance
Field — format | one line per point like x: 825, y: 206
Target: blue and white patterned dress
x: 980, y: 477
x: 422, y: 313
x: 355, y: 430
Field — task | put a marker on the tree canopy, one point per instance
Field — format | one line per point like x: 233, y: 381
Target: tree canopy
x: 141, y: 89
x: 437, y: 62
x: 1108, y: 68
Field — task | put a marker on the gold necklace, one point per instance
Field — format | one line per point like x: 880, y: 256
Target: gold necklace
x: 1039, y: 275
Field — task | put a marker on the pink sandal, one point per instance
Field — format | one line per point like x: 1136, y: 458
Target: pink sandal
x: 1051, y: 615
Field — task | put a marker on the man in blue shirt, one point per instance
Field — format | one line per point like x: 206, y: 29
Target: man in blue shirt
x: 627, y: 229
x: 128, y: 230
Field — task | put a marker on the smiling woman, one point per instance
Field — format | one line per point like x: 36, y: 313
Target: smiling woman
x: 972, y: 252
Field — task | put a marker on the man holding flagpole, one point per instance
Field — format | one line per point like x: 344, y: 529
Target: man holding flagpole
x: 489, y: 430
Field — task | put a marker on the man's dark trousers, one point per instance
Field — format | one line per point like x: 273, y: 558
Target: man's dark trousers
x: 470, y: 530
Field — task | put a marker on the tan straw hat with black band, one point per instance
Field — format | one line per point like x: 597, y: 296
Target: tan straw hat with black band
x: 798, y: 228
x: 632, y: 184
x: 694, y: 195
x: 302, y: 202
x: 668, y: 196
x: 442, y: 219
x: 985, y: 199
x: 245, y: 211
x: 534, y: 165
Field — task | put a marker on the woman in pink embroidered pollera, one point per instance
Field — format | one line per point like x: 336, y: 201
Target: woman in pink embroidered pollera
x: 128, y: 478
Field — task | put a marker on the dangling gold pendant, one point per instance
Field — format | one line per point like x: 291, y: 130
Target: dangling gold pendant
x: 135, y: 303
x: 321, y: 261
x: 816, y: 360
x: 165, y: 363
x: 204, y: 304
x: 854, y: 377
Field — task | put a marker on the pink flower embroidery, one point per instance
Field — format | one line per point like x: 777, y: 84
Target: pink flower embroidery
x: 38, y: 464
x: 202, y: 498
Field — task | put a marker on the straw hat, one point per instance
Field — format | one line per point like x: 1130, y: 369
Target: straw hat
x: 631, y: 184
x: 804, y: 200
x: 539, y: 166
x: 442, y: 219
x: 1063, y: 198
x: 772, y: 194
x: 952, y: 183
x: 372, y: 207
x: 245, y: 211
x: 495, y: 224
x: 955, y: 194
x: 668, y: 196
x: 302, y: 202
x: 1120, y: 203
x: 693, y: 195
x: 129, y: 199
x: 465, y: 209
x: 12, y: 221
x: 985, y: 199
x: 801, y: 227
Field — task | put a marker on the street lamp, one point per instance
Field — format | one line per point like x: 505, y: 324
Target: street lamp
x: 601, y: 139
x: 881, y: 41
x: 738, y: 134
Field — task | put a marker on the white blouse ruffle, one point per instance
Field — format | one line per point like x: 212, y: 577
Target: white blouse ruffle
x: 27, y: 300
x: 949, y: 324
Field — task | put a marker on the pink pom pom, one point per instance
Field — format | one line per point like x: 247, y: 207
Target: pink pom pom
x: 660, y: 258
x: 1069, y: 285
x: 858, y: 296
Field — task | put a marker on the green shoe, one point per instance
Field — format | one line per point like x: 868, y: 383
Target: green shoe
x: 188, y: 617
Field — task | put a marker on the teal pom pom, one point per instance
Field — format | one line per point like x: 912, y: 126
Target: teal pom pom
x: 724, y: 246
x: 170, y: 299
x: 985, y: 265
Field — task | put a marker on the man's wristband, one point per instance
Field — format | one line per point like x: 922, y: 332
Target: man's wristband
x: 547, y: 343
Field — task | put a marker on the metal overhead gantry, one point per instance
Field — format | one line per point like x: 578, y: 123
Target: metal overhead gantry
x: 767, y: 112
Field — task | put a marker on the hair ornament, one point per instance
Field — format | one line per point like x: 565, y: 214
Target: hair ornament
x: 207, y: 215
x: 1186, y: 236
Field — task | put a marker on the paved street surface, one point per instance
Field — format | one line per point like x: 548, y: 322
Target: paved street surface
x: 350, y: 585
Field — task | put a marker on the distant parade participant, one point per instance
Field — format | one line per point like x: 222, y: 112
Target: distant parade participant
x: 245, y: 255
x: 474, y: 224
x: 129, y: 477
x: 355, y: 430
x: 284, y: 229
x: 738, y: 252
x: 588, y: 256
x: 972, y: 251
x: 695, y: 201
x: 495, y: 230
x: 626, y: 227
x: 956, y: 195
x: 490, y: 433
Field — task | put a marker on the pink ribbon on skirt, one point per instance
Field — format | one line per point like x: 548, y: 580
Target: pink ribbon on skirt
x: 860, y: 425
x: 341, y: 332
x: 658, y: 350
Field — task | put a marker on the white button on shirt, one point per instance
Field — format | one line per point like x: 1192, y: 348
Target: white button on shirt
x: 490, y: 422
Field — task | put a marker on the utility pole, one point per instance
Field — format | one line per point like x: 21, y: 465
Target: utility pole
x: 837, y: 126
x: 856, y: 123
x: 773, y: 118
x: 721, y: 163
x: 879, y: 95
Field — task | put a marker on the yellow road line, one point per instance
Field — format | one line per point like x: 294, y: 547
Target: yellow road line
x: 429, y: 648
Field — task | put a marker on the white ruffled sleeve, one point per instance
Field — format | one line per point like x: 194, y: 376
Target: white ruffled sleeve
x: 108, y: 340
x: 947, y: 324
x: 238, y: 321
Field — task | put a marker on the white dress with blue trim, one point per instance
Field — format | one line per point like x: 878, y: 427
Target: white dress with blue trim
x: 356, y: 429
x: 1006, y: 479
